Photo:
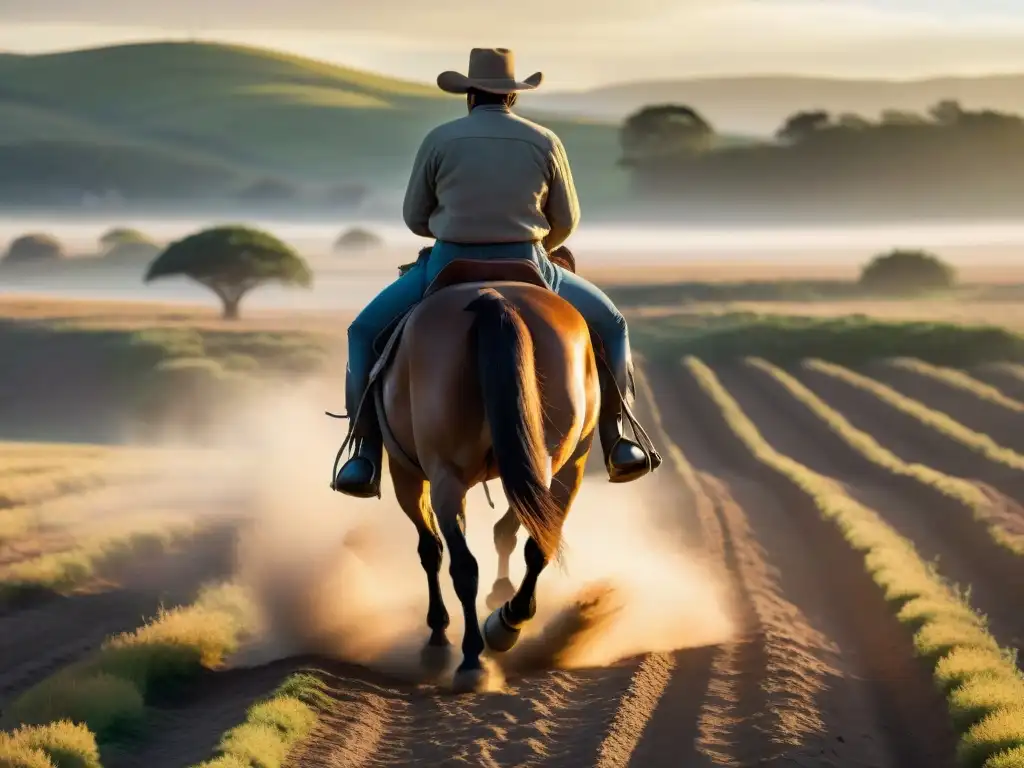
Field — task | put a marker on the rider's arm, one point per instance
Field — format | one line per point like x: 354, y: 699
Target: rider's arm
x: 562, y: 207
x: 420, y: 200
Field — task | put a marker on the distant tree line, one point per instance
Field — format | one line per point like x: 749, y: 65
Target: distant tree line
x: 948, y: 161
x: 83, y: 173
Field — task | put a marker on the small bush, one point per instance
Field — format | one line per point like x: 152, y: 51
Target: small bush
x: 34, y: 248
x: 907, y: 272
x: 137, y: 253
x: 358, y: 239
x: 122, y: 236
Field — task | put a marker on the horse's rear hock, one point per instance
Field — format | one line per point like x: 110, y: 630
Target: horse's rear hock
x: 504, y: 544
x: 503, y: 626
x: 448, y: 498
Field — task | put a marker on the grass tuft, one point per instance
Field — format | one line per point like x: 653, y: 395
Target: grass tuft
x: 60, y: 744
x: 274, y: 726
x: 958, y: 380
x: 936, y: 420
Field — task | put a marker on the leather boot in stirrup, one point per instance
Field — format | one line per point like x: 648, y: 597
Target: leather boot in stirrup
x: 624, y: 459
x: 360, y: 475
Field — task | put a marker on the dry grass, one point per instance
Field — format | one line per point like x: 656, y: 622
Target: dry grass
x: 1007, y: 314
x: 107, y: 691
x: 136, y: 315
x: 984, y: 689
x: 959, y: 380
x: 936, y: 420
x: 274, y: 726
x: 30, y: 488
x: 959, y: 490
x: 57, y: 745
x: 64, y: 571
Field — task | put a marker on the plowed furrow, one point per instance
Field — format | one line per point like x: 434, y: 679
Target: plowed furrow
x: 941, y: 529
x: 1007, y: 377
x: 909, y: 438
x: 187, y: 731
x: 1002, y: 424
x: 839, y: 678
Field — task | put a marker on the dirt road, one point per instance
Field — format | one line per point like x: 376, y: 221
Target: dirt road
x: 820, y: 673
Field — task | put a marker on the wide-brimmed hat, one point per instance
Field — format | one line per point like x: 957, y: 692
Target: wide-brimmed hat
x: 490, y: 69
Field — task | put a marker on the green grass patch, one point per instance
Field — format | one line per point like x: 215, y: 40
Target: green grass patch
x: 107, y: 691
x: 851, y: 340
x: 273, y: 726
x: 961, y: 491
x: 304, y: 120
x: 983, y: 687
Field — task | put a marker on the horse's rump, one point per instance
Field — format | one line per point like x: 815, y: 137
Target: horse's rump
x: 432, y: 396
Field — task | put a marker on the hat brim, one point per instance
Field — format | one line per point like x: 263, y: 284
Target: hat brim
x: 456, y: 82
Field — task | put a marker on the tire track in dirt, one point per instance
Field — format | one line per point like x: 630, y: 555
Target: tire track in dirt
x: 35, y: 642
x: 845, y: 690
x: 1002, y: 424
x: 912, y: 440
x: 940, y: 528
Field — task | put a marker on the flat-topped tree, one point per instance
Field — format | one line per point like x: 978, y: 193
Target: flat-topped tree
x: 231, y: 261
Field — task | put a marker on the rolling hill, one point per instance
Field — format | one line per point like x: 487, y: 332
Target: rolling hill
x: 230, y: 116
x: 759, y: 104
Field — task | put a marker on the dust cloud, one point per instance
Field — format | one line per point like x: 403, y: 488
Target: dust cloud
x: 341, y: 577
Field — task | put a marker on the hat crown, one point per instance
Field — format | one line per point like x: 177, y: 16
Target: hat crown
x: 491, y: 64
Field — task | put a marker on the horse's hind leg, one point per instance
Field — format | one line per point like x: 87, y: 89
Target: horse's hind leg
x: 504, y: 624
x: 504, y: 544
x: 448, y: 497
x: 411, y: 492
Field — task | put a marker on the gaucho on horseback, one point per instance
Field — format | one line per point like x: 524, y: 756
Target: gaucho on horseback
x: 491, y: 186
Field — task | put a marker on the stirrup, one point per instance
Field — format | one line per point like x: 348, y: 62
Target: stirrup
x: 643, y: 440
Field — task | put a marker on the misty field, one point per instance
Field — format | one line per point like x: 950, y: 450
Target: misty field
x: 827, y: 570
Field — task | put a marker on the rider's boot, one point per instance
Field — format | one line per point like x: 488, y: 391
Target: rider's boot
x: 360, y: 475
x: 624, y: 459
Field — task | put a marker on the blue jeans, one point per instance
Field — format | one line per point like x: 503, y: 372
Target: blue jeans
x: 604, y: 320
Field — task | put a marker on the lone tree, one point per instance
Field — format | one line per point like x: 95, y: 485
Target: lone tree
x: 906, y: 271
x: 231, y: 261
x: 664, y: 130
x: 32, y: 248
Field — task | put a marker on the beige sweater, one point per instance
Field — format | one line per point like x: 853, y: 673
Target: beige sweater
x: 492, y: 177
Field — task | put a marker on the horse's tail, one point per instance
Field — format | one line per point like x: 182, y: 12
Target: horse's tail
x: 512, y: 406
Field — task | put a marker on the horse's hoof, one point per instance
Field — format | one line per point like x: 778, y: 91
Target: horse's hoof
x: 501, y: 593
x: 434, y: 658
x: 498, y: 635
x: 470, y: 681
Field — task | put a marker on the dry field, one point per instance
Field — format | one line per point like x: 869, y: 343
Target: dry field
x: 863, y: 527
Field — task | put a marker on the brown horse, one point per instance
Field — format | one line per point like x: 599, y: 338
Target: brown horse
x: 494, y: 377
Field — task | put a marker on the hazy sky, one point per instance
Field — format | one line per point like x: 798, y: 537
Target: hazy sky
x: 575, y: 42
